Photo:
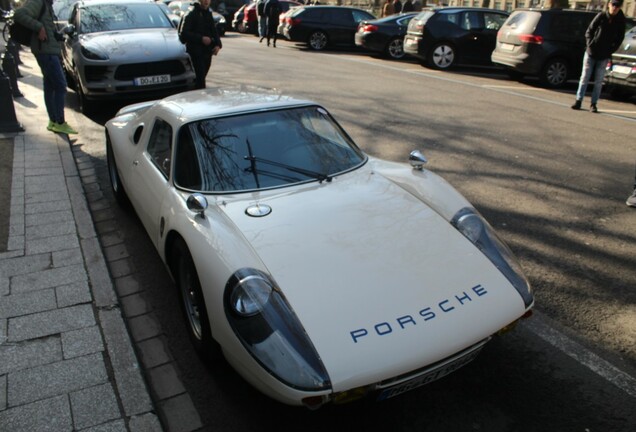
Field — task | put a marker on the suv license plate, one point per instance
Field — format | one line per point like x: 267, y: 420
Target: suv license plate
x: 430, y: 376
x: 626, y: 70
x: 151, y: 80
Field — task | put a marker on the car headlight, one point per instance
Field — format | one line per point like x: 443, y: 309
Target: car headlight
x: 476, y: 229
x: 271, y: 332
x: 93, y: 54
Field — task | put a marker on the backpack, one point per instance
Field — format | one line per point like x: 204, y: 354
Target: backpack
x: 21, y: 34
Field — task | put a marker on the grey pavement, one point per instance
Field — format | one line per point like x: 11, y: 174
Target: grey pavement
x: 67, y: 360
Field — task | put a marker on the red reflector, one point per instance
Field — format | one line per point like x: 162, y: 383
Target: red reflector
x: 528, y: 38
x: 369, y: 28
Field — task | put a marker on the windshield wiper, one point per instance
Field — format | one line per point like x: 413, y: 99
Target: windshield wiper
x: 318, y: 176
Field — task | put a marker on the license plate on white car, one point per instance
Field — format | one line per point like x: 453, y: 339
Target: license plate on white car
x: 152, y: 80
x: 432, y: 375
x: 625, y: 70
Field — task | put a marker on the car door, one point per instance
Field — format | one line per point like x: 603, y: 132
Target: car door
x: 150, y: 176
x: 340, y: 26
x: 481, y: 36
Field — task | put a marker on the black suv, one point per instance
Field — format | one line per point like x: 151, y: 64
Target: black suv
x: 442, y: 38
x: 620, y: 78
x: 548, y: 43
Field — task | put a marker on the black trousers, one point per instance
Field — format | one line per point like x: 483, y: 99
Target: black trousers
x: 201, y: 63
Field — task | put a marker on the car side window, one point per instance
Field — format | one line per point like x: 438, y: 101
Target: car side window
x: 341, y: 16
x: 160, y: 146
x: 359, y: 16
x: 494, y: 21
x: 471, y: 21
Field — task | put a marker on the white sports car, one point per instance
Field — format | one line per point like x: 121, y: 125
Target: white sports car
x: 322, y: 274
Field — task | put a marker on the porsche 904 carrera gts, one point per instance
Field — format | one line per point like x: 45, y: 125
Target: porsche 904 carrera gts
x: 322, y: 274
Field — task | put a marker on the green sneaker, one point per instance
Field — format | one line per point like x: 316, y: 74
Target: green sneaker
x: 50, y: 125
x: 63, y: 128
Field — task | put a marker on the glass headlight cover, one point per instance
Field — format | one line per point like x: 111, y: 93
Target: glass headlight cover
x: 476, y: 229
x: 93, y: 54
x: 271, y: 332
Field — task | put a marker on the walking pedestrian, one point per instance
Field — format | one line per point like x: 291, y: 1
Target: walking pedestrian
x: 46, y: 46
x: 201, y: 39
x: 603, y: 36
x: 272, y: 12
x: 388, y: 8
x: 397, y: 6
x: 408, y: 6
x: 262, y: 19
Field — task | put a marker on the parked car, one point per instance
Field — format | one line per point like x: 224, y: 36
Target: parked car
x: 237, y: 20
x: 384, y: 35
x: 250, y: 18
x: 119, y: 50
x: 620, y: 78
x: 228, y: 8
x: 444, y: 37
x: 320, y: 273
x: 545, y: 43
x: 324, y: 26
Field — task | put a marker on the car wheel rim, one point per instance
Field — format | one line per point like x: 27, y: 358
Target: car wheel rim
x: 396, y: 49
x: 443, y: 56
x: 190, y: 299
x: 556, y: 73
x: 318, y: 41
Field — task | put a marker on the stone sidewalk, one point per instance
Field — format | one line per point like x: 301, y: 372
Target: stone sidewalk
x: 67, y: 362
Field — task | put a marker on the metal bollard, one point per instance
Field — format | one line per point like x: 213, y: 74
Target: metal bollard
x: 9, y: 67
x: 8, y: 120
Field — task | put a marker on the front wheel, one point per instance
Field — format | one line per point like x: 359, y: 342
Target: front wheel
x: 192, y: 301
x: 318, y: 41
x: 395, y: 49
x: 442, y: 56
x: 113, y: 173
x: 554, y: 73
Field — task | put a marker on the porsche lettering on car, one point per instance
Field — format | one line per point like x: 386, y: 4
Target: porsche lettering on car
x: 322, y: 274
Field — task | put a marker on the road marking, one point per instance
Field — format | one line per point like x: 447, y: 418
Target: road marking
x: 512, y: 87
x: 602, y: 367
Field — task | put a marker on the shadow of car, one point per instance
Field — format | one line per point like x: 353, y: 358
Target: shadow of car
x: 444, y: 37
x: 324, y: 26
x: 384, y: 35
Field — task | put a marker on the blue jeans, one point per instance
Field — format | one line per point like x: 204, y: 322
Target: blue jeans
x: 598, y: 67
x: 54, y: 84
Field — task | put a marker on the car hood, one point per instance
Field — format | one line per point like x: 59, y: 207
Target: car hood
x: 382, y: 284
x: 131, y: 45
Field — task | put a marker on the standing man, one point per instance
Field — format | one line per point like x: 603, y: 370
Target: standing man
x: 603, y: 36
x: 272, y: 12
x: 46, y: 46
x: 262, y: 19
x: 201, y: 39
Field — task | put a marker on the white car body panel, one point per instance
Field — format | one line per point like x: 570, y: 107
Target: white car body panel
x: 380, y: 280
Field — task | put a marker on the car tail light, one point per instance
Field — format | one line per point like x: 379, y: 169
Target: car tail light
x: 529, y: 38
x: 368, y: 28
x: 609, y: 66
x: 292, y: 21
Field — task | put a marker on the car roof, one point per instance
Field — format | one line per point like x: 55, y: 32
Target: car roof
x: 217, y: 102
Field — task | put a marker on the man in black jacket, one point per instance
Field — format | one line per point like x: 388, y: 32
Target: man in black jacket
x: 201, y: 38
x: 603, y: 36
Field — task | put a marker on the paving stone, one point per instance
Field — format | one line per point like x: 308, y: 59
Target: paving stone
x: 45, y: 197
x: 153, y: 352
x: 48, y: 218
x: 114, y: 426
x: 83, y: 219
x: 25, y: 355
x: 106, y: 226
x: 49, y: 415
x: 50, y: 322
x: 55, y: 379
x: 45, y: 170
x: 3, y: 331
x: 103, y: 215
x: 112, y: 239
x: 144, y: 327
x: 127, y: 285
x: 50, y: 230
x: 27, y: 303
x: 101, y: 283
x: 165, y: 381
x: 47, y: 207
x: 134, y: 305
x: 51, y: 244
x: 121, y: 268
x: 3, y: 392
x: 116, y: 252
x: 25, y: 264
x: 94, y: 406
x: 81, y: 342
x: 180, y: 414
x: 145, y: 423
x: 67, y: 257
x: 73, y: 294
x: 130, y: 384
x: 53, y: 277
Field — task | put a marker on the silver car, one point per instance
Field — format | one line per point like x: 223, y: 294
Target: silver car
x: 116, y: 50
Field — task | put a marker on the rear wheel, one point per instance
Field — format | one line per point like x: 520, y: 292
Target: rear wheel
x: 442, y: 56
x: 554, y: 73
x: 395, y: 49
x: 318, y: 41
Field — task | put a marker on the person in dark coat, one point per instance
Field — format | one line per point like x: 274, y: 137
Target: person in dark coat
x: 201, y: 39
x: 603, y: 36
x: 407, y: 6
x: 272, y: 12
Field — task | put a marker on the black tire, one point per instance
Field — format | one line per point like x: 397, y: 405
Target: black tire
x: 395, y: 49
x: 115, y: 182
x: 554, y: 73
x: 318, y: 41
x: 442, y: 56
x: 192, y: 300
x: 514, y: 75
x: 86, y: 107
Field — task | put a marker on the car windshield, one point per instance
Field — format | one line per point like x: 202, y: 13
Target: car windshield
x: 263, y: 150
x: 121, y: 16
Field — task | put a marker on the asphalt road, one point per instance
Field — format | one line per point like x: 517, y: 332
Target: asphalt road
x: 551, y: 180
